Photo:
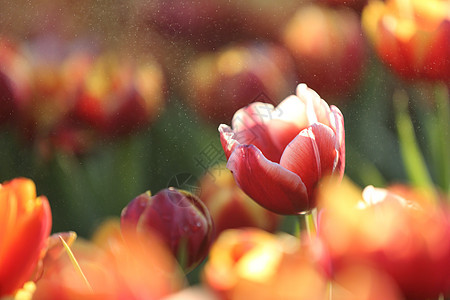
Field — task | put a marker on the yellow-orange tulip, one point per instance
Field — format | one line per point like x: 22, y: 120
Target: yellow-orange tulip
x: 254, y: 264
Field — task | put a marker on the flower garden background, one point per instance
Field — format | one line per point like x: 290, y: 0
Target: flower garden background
x: 338, y: 133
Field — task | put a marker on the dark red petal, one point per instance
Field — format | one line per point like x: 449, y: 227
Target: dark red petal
x: 269, y: 184
x: 311, y: 155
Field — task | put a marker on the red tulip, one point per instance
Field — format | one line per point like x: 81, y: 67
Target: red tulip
x: 25, y: 223
x: 278, y: 155
x: 180, y: 219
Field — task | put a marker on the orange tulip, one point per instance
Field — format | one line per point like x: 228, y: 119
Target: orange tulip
x: 25, y: 224
x: 110, y: 268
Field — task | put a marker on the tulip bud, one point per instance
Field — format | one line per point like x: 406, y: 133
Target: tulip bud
x: 180, y: 219
x: 229, y: 206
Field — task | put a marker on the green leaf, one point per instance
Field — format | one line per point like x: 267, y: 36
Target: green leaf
x: 413, y: 160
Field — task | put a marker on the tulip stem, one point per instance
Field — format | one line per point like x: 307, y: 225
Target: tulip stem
x: 306, y: 224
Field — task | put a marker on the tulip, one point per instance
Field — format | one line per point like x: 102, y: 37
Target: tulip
x: 219, y: 83
x: 328, y: 49
x: 254, y: 264
x: 15, y: 79
x: 180, y: 218
x: 408, y: 242
x: 229, y: 206
x: 412, y: 37
x: 25, y: 224
x: 116, y: 265
x: 119, y: 95
x: 203, y: 24
x: 278, y: 155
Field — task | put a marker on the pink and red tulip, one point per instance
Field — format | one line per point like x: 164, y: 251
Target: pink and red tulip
x: 411, y: 37
x: 25, y: 224
x: 278, y: 155
x: 229, y: 206
x: 328, y: 49
x: 254, y: 264
x: 180, y: 218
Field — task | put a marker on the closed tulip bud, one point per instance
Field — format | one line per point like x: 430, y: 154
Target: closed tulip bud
x: 180, y: 219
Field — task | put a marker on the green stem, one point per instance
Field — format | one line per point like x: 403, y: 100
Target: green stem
x: 307, y: 225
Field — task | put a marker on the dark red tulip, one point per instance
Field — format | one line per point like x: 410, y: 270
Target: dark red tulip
x: 180, y: 219
x: 278, y: 155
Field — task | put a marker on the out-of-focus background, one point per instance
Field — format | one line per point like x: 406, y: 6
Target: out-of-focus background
x: 101, y: 101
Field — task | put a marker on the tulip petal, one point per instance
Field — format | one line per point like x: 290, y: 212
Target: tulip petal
x: 227, y: 139
x: 250, y: 125
x: 269, y: 184
x: 317, y: 110
x: 337, y: 124
x: 311, y: 155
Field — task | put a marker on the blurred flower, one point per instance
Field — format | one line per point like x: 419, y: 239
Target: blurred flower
x: 262, y: 19
x: 254, y: 264
x: 229, y: 206
x: 15, y: 79
x: 359, y: 281
x: 6, y: 99
x: 25, y: 224
x: 328, y: 49
x: 278, y: 155
x: 114, y: 267
x: 412, y: 37
x: 408, y: 242
x: 180, y: 218
x: 203, y: 24
x: 219, y: 83
x: 357, y: 5
x: 120, y: 95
